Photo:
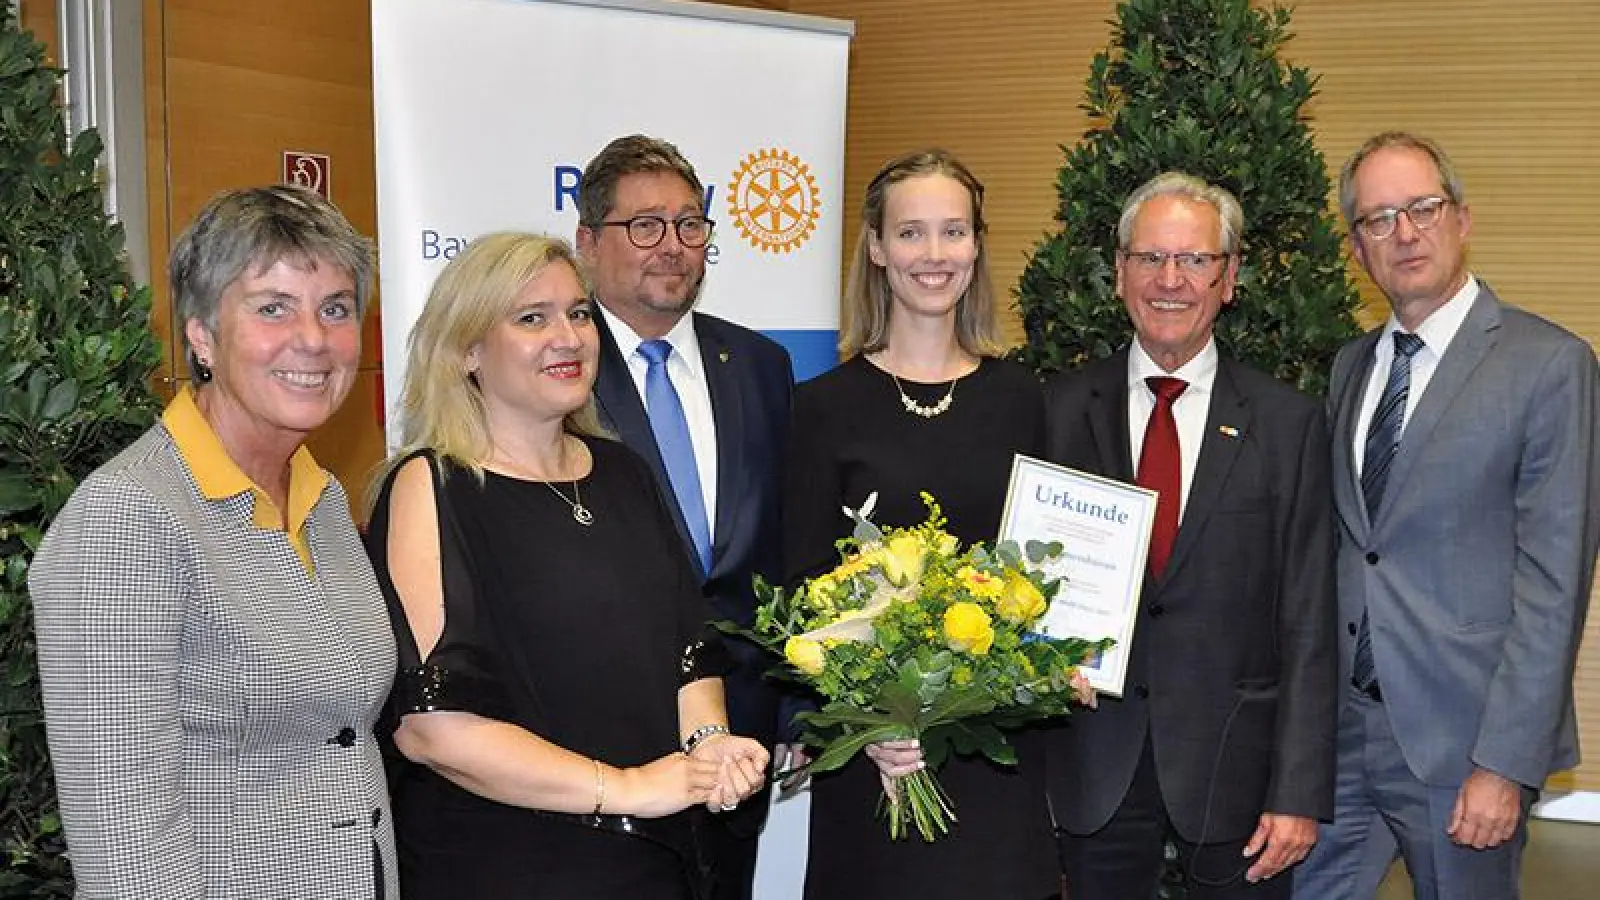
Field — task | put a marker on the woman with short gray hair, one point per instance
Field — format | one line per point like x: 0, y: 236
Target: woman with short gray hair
x: 213, y: 646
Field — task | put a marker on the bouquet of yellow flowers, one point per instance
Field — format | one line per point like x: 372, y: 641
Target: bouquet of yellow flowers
x: 912, y: 636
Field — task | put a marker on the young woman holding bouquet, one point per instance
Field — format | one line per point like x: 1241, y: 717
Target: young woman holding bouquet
x: 922, y: 403
x: 558, y: 688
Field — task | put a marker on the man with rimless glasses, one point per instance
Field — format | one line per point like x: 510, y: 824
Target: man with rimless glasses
x: 1466, y: 487
x: 706, y: 403
x: 1223, y: 737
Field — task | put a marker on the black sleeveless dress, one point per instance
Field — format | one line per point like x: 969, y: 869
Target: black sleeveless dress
x: 577, y: 634
x: 851, y: 436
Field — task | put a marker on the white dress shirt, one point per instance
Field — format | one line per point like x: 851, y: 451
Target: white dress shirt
x: 687, y: 370
x: 1436, y: 331
x: 1189, y: 411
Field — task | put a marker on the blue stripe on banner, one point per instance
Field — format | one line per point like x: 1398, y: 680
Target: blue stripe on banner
x: 812, y: 351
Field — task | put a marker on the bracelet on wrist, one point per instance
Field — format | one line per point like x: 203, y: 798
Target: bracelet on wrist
x: 599, y: 786
x: 699, y: 736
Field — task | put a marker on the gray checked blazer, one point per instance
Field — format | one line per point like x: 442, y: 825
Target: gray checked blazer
x: 209, y: 703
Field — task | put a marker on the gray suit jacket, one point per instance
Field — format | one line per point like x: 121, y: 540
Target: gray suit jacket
x: 209, y: 703
x: 1477, y: 569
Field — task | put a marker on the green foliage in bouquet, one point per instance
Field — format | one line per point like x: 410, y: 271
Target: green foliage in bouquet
x: 1197, y: 86
x: 76, y: 356
x: 913, y: 636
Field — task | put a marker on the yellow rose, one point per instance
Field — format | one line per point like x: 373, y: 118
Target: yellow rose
x: 1020, y: 602
x: 903, y: 559
x: 980, y: 584
x: 820, y: 591
x: 805, y: 654
x: 966, y: 627
x: 853, y: 566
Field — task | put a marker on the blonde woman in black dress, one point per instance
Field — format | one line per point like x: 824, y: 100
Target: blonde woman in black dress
x: 559, y: 689
x: 922, y: 402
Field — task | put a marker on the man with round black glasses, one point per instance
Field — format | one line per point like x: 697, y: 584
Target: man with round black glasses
x: 706, y: 403
x: 1466, y: 489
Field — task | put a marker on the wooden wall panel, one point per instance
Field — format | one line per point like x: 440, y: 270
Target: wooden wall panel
x: 158, y: 189
x: 1511, y: 91
x: 39, y: 17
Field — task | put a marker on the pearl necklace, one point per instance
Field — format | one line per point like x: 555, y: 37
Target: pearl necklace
x: 927, y: 412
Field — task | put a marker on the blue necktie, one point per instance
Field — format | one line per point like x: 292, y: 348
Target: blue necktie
x: 1383, y: 442
x: 671, y: 428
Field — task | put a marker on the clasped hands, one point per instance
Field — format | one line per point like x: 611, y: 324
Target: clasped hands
x: 736, y: 767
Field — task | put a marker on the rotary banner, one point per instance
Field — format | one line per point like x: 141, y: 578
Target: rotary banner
x: 487, y: 111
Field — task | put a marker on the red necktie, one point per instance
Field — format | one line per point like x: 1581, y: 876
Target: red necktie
x: 1161, y: 468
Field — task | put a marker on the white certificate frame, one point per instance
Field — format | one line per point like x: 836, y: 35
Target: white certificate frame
x: 1104, y: 527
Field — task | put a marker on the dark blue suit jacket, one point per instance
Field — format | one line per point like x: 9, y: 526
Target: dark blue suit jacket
x: 751, y: 383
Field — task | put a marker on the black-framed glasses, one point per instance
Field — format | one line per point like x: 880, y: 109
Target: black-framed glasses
x: 1424, y: 213
x: 646, y: 232
x: 1195, y: 265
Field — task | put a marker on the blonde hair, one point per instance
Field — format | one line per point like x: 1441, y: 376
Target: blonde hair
x: 867, y: 297
x: 441, y: 406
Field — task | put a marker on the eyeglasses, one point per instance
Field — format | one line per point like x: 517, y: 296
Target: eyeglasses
x: 1423, y: 212
x: 646, y: 232
x: 1192, y: 264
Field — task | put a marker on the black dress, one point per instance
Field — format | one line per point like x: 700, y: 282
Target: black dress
x: 578, y: 634
x: 852, y: 436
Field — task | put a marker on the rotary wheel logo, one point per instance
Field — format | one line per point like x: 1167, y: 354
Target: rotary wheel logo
x: 774, y: 201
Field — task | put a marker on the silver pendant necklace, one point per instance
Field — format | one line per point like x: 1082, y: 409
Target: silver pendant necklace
x: 927, y: 412
x: 580, y: 513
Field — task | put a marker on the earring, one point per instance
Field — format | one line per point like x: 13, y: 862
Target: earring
x: 202, y: 370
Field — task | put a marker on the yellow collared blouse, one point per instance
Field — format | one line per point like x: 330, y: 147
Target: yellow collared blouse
x: 219, y: 477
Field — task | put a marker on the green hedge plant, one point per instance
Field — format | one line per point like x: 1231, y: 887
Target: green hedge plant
x: 76, y: 359
x: 1198, y: 86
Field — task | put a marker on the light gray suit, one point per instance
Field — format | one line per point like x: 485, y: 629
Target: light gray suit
x: 210, y: 703
x: 1475, y: 573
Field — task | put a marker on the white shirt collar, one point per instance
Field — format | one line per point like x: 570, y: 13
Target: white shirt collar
x: 684, y: 339
x: 1441, y: 325
x: 1200, y: 372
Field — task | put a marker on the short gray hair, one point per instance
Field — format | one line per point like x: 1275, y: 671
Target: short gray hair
x: 1449, y: 176
x: 1189, y: 187
x: 253, y: 229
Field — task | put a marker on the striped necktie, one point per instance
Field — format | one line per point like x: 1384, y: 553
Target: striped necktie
x: 1383, y: 442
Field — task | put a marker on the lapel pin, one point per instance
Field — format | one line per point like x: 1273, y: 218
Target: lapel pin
x: 1228, y: 431
x: 724, y: 356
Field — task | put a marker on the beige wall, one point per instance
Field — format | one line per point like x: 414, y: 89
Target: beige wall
x: 1509, y: 88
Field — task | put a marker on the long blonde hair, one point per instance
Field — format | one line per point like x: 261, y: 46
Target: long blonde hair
x: 441, y: 406
x: 867, y: 297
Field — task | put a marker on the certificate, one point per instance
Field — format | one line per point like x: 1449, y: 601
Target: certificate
x: 1104, y: 528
